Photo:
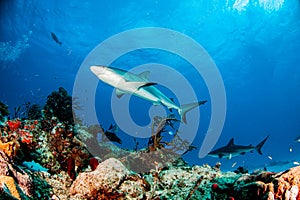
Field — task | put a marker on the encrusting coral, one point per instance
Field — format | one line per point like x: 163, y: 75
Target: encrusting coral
x: 10, y: 148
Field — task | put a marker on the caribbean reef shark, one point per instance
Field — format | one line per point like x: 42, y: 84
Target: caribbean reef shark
x: 231, y: 150
x: 128, y: 83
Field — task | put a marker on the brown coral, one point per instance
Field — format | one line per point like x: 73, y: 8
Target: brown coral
x: 100, y: 183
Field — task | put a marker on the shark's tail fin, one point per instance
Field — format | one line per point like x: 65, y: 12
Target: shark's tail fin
x: 187, y: 107
x: 259, y: 146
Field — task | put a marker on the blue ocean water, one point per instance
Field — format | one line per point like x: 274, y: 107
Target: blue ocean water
x: 255, y: 45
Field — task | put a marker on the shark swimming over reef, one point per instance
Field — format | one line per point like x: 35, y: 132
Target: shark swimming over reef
x: 231, y: 150
x: 137, y: 84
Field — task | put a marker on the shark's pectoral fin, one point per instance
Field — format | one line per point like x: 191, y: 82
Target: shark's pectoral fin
x: 144, y: 75
x: 147, y: 84
x: 120, y: 93
x: 138, y: 85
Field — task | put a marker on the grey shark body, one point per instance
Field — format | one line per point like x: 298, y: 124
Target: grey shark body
x: 126, y: 82
x: 232, y: 150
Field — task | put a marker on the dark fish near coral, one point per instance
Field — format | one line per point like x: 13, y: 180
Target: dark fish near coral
x: 113, y: 128
x: 231, y: 150
x: 113, y: 137
x: 111, y: 134
x: 54, y: 37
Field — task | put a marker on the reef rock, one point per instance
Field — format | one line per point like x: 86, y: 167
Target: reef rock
x: 102, y: 183
x: 264, y: 185
x: 13, y: 179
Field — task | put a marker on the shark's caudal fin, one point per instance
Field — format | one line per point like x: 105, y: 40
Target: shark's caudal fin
x: 259, y: 146
x: 187, y: 107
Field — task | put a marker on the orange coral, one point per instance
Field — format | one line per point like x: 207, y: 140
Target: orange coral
x: 9, y: 148
x: 11, y: 185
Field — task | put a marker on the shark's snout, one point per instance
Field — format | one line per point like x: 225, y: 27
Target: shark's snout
x: 97, y: 70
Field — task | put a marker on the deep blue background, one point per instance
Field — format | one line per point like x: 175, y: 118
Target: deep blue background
x: 256, y: 48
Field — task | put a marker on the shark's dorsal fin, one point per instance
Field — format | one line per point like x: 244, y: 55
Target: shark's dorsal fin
x: 231, y: 142
x: 120, y: 93
x: 144, y: 75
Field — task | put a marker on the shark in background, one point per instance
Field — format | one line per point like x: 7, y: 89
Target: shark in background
x: 232, y: 150
x: 128, y: 83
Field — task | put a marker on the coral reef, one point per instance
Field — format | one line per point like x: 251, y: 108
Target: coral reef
x: 11, y: 186
x: 34, y: 112
x: 14, y: 178
x: 50, y: 144
x: 9, y: 148
x: 46, y: 157
x: 101, y: 183
x: 59, y: 104
x: 111, y: 180
x: 3, y: 111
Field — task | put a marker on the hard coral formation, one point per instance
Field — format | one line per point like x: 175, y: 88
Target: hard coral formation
x: 59, y: 104
x: 9, y: 148
x: 102, y: 183
x: 265, y: 185
x: 111, y: 180
x: 61, y: 150
x: 34, y: 112
x: 3, y: 111
x: 15, y: 177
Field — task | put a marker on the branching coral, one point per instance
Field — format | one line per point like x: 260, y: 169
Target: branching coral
x: 158, y: 127
x: 66, y: 151
x: 59, y: 104
x: 34, y: 112
x: 3, y: 111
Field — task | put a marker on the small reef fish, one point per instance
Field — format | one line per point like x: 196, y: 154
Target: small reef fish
x: 137, y: 84
x: 297, y: 139
x: 234, y: 164
x: 35, y: 167
x: 171, y: 133
x: 113, y: 128
x: 54, y: 37
x: 270, y: 157
x: 109, y: 134
x: 296, y: 163
x: 112, y: 137
x: 231, y: 150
